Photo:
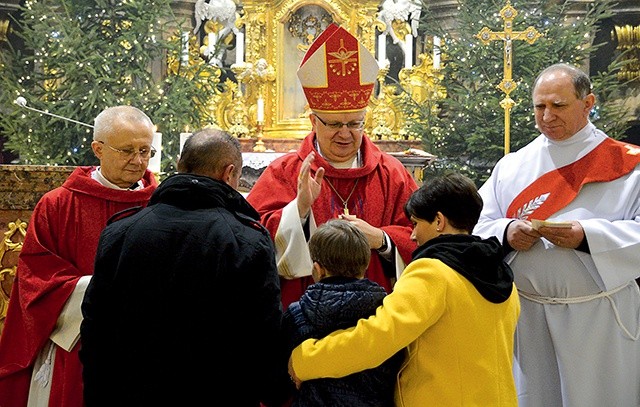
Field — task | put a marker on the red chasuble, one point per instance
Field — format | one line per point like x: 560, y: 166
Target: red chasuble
x: 384, y: 185
x: 59, y: 248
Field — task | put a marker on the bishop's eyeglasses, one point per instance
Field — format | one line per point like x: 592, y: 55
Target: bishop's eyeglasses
x: 354, y: 125
x: 129, y: 154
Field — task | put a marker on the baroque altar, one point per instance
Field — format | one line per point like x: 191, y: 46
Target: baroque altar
x: 264, y: 46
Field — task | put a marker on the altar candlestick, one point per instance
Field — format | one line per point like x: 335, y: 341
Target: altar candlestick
x: 239, y: 48
x: 156, y: 160
x: 436, y: 52
x: 408, y: 55
x: 260, y: 111
x: 183, y: 139
x: 185, y: 48
x: 211, y: 38
x: 382, y: 48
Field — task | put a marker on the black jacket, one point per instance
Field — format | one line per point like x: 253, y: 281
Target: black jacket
x: 337, y: 303
x: 184, y: 305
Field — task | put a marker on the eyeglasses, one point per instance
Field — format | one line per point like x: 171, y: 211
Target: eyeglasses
x: 356, y: 125
x: 130, y: 154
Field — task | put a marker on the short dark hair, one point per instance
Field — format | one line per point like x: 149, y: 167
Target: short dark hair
x: 341, y: 248
x: 580, y: 80
x: 453, y: 194
x: 208, y: 151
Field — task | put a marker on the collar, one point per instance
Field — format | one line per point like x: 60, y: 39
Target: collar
x: 355, y: 162
x: 97, y: 175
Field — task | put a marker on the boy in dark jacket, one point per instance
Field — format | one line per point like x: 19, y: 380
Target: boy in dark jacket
x: 340, y: 296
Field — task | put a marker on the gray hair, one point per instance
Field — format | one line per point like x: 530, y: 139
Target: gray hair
x: 580, y: 80
x: 106, y: 122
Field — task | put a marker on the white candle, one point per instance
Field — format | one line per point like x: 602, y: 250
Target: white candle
x: 436, y: 52
x: 239, y: 48
x: 211, y: 39
x: 156, y: 160
x: 183, y: 139
x: 408, y: 54
x: 260, y: 112
x: 382, y: 48
x: 185, y: 48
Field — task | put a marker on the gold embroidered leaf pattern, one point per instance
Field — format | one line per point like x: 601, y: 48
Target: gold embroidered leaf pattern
x: 528, y: 208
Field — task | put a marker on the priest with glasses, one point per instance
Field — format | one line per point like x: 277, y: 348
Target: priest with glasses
x: 337, y: 172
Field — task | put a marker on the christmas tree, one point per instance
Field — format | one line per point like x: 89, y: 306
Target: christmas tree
x: 467, y: 129
x: 80, y: 56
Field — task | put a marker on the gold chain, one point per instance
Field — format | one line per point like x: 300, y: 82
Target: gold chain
x: 344, y: 201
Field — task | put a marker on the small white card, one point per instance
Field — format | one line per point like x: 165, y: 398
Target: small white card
x: 536, y: 223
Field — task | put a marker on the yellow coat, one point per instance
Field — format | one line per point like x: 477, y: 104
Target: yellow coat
x: 459, y: 345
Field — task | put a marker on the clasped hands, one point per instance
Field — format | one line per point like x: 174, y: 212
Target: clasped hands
x: 521, y: 235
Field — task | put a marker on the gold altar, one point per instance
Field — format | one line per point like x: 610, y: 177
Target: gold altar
x: 264, y: 99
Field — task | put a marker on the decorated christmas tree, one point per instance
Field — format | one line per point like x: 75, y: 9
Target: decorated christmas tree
x: 80, y: 56
x: 466, y: 130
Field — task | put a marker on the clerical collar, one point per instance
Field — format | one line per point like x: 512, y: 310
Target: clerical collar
x: 97, y: 175
x: 355, y: 162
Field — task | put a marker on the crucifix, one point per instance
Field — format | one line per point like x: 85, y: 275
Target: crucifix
x: 508, y: 13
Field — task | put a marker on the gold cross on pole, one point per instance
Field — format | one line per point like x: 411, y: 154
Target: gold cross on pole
x: 508, y: 13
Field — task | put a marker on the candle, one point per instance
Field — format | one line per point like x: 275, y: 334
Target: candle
x: 185, y: 48
x: 239, y: 48
x: 260, y: 112
x: 382, y: 48
x: 183, y: 139
x: 211, y: 39
x: 156, y: 160
x: 408, y: 55
x: 436, y: 52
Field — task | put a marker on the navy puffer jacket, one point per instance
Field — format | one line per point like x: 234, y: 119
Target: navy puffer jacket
x: 337, y: 303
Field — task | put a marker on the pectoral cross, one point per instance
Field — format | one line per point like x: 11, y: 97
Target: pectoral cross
x: 508, y: 13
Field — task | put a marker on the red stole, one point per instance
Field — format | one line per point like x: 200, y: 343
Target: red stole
x: 554, y: 190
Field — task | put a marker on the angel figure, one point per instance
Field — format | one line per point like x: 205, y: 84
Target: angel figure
x: 222, y: 11
x: 401, y: 10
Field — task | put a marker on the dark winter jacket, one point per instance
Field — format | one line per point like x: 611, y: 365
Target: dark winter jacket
x: 337, y: 303
x: 180, y: 288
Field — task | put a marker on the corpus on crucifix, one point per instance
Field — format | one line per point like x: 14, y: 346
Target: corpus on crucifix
x: 507, y: 35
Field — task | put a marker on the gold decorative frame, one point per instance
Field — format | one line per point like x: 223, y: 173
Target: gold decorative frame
x: 270, y: 38
x: 265, y: 24
x: 629, y: 41
x: 10, y: 247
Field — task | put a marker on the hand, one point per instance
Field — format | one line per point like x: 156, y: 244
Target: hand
x: 293, y: 376
x: 373, y: 234
x: 308, y: 186
x: 521, y: 235
x: 564, y: 237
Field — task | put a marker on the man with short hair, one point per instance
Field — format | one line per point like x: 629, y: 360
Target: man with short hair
x: 39, y: 364
x: 180, y: 288
x: 337, y: 172
x: 576, y: 275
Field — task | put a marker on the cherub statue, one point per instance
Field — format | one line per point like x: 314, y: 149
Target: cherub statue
x: 223, y: 11
x: 401, y: 10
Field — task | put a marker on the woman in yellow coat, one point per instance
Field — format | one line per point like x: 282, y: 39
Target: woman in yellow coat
x: 454, y: 308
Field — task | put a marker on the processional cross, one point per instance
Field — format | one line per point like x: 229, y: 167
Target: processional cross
x: 508, y: 13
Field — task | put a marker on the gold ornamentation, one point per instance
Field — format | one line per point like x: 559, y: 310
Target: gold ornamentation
x: 4, y: 30
x: 307, y: 28
x: 344, y: 59
x: 629, y: 42
x: 10, y: 245
x: 530, y: 35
